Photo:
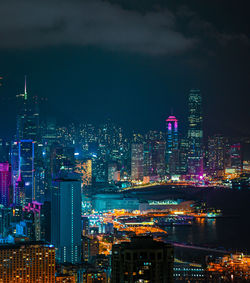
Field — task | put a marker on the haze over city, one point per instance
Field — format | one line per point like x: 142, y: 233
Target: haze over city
x: 124, y: 141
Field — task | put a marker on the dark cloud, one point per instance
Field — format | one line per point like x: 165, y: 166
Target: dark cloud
x: 35, y: 23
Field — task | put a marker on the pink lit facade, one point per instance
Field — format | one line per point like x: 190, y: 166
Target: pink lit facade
x: 5, y: 183
x: 172, y: 145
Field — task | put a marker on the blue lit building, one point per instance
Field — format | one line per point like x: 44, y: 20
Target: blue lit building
x: 66, y: 219
x: 22, y: 157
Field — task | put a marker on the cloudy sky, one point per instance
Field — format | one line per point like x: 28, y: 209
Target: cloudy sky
x: 132, y: 61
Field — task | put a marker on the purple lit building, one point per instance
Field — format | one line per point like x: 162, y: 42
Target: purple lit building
x: 5, y: 183
x: 172, y: 153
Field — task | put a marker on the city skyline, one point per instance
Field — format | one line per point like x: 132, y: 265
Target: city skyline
x: 124, y: 141
x: 116, y: 73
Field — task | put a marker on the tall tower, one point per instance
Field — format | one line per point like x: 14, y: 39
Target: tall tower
x: 66, y: 219
x: 216, y: 155
x: 28, y: 117
x: 195, y: 133
x: 155, y: 155
x: 137, y: 149
x: 5, y: 184
x: 172, y: 144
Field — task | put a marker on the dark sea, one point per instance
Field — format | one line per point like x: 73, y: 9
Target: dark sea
x: 232, y: 231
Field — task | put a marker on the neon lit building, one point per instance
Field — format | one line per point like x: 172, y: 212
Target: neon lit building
x: 26, y: 168
x: 39, y: 214
x: 22, y: 157
x: 5, y: 184
x: 172, y: 152
x: 195, y: 133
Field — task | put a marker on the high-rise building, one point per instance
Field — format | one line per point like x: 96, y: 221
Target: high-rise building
x: 236, y: 157
x: 22, y: 158
x: 216, y: 155
x: 84, y: 169
x: 142, y: 260
x: 62, y: 160
x: 5, y: 219
x: 5, y: 184
x: 90, y: 248
x: 26, y: 167
x: 66, y: 219
x: 112, y: 172
x: 183, y: 156
x: 28, y: 117
x: 4, y: 150
x: 154, y: 158
x: 39, y: 214
x: 27, y: 262
x: 137, y: 149
x: 195, y: 133
x: 172, y: 148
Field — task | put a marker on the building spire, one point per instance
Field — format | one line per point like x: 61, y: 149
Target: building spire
x: 25, y: 87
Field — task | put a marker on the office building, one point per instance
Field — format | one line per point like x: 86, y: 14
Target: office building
x: 5, y: 184
x: 39, y: 214
x: 172, y: 146
x: 236, y: 157
x: 28, y: 117
x: 5, y: 219
x: 22, y: 159
x: 195, y: 133
x: 216, y: 155
x: 62, y: 160
x: 27, y: 262
x: 66, y: 219
x: 84, y: 169
x: 137, y: 161
x: 142, y: 260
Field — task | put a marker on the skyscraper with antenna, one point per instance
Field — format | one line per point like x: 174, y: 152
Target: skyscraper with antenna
x: 28, y: 116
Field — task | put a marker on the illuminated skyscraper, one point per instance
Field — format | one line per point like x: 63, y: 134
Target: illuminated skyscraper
x: 155, y: 155
x: 172, y: 153
x: 22, y: 158
x: 137, y: 156
x: 216, y: 155
x: 66, y: 219
x: 195, y: 133
x: 28, y: 117
x: 5, y: 184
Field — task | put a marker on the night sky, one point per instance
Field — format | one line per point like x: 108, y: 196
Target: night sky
x: 128, y: 60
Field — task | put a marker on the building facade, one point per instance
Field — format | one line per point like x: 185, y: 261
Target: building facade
x: 66, y: 219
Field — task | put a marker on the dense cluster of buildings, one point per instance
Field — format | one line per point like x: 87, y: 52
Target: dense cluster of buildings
x: 51, y: 176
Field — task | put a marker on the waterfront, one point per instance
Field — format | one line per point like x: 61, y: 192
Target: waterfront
x: 226, y: 232
x: 230, y: 231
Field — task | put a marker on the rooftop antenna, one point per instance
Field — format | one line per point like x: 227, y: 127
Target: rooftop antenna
x: 25, y: 87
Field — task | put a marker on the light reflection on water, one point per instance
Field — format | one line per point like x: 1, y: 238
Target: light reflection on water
x: 229, y: 233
